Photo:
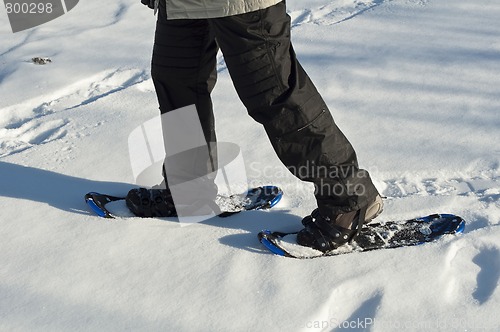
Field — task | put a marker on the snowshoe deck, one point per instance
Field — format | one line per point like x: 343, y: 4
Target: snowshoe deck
x: 259, y: 198
x: 392, y: 234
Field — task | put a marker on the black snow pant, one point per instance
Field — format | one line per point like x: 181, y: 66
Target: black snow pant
x: 274, y: 88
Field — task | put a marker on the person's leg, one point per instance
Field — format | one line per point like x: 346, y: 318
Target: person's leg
x: 183, y: 70
x: 183, y: 67
x: 278, y: 93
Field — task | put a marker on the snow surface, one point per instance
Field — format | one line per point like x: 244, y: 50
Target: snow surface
x: 415, y: 86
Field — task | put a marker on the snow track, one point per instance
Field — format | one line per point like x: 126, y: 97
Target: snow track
x: 38, y: 121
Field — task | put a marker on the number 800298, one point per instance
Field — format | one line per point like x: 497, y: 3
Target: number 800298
x: 29, y: 8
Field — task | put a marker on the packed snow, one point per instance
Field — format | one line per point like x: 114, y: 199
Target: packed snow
x: 414, y: 84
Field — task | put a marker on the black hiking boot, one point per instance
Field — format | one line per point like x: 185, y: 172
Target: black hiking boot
x: 149, y: 203
x: 328, y: 233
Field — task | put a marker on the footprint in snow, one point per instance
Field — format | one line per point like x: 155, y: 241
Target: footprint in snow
x: 488, y: 277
